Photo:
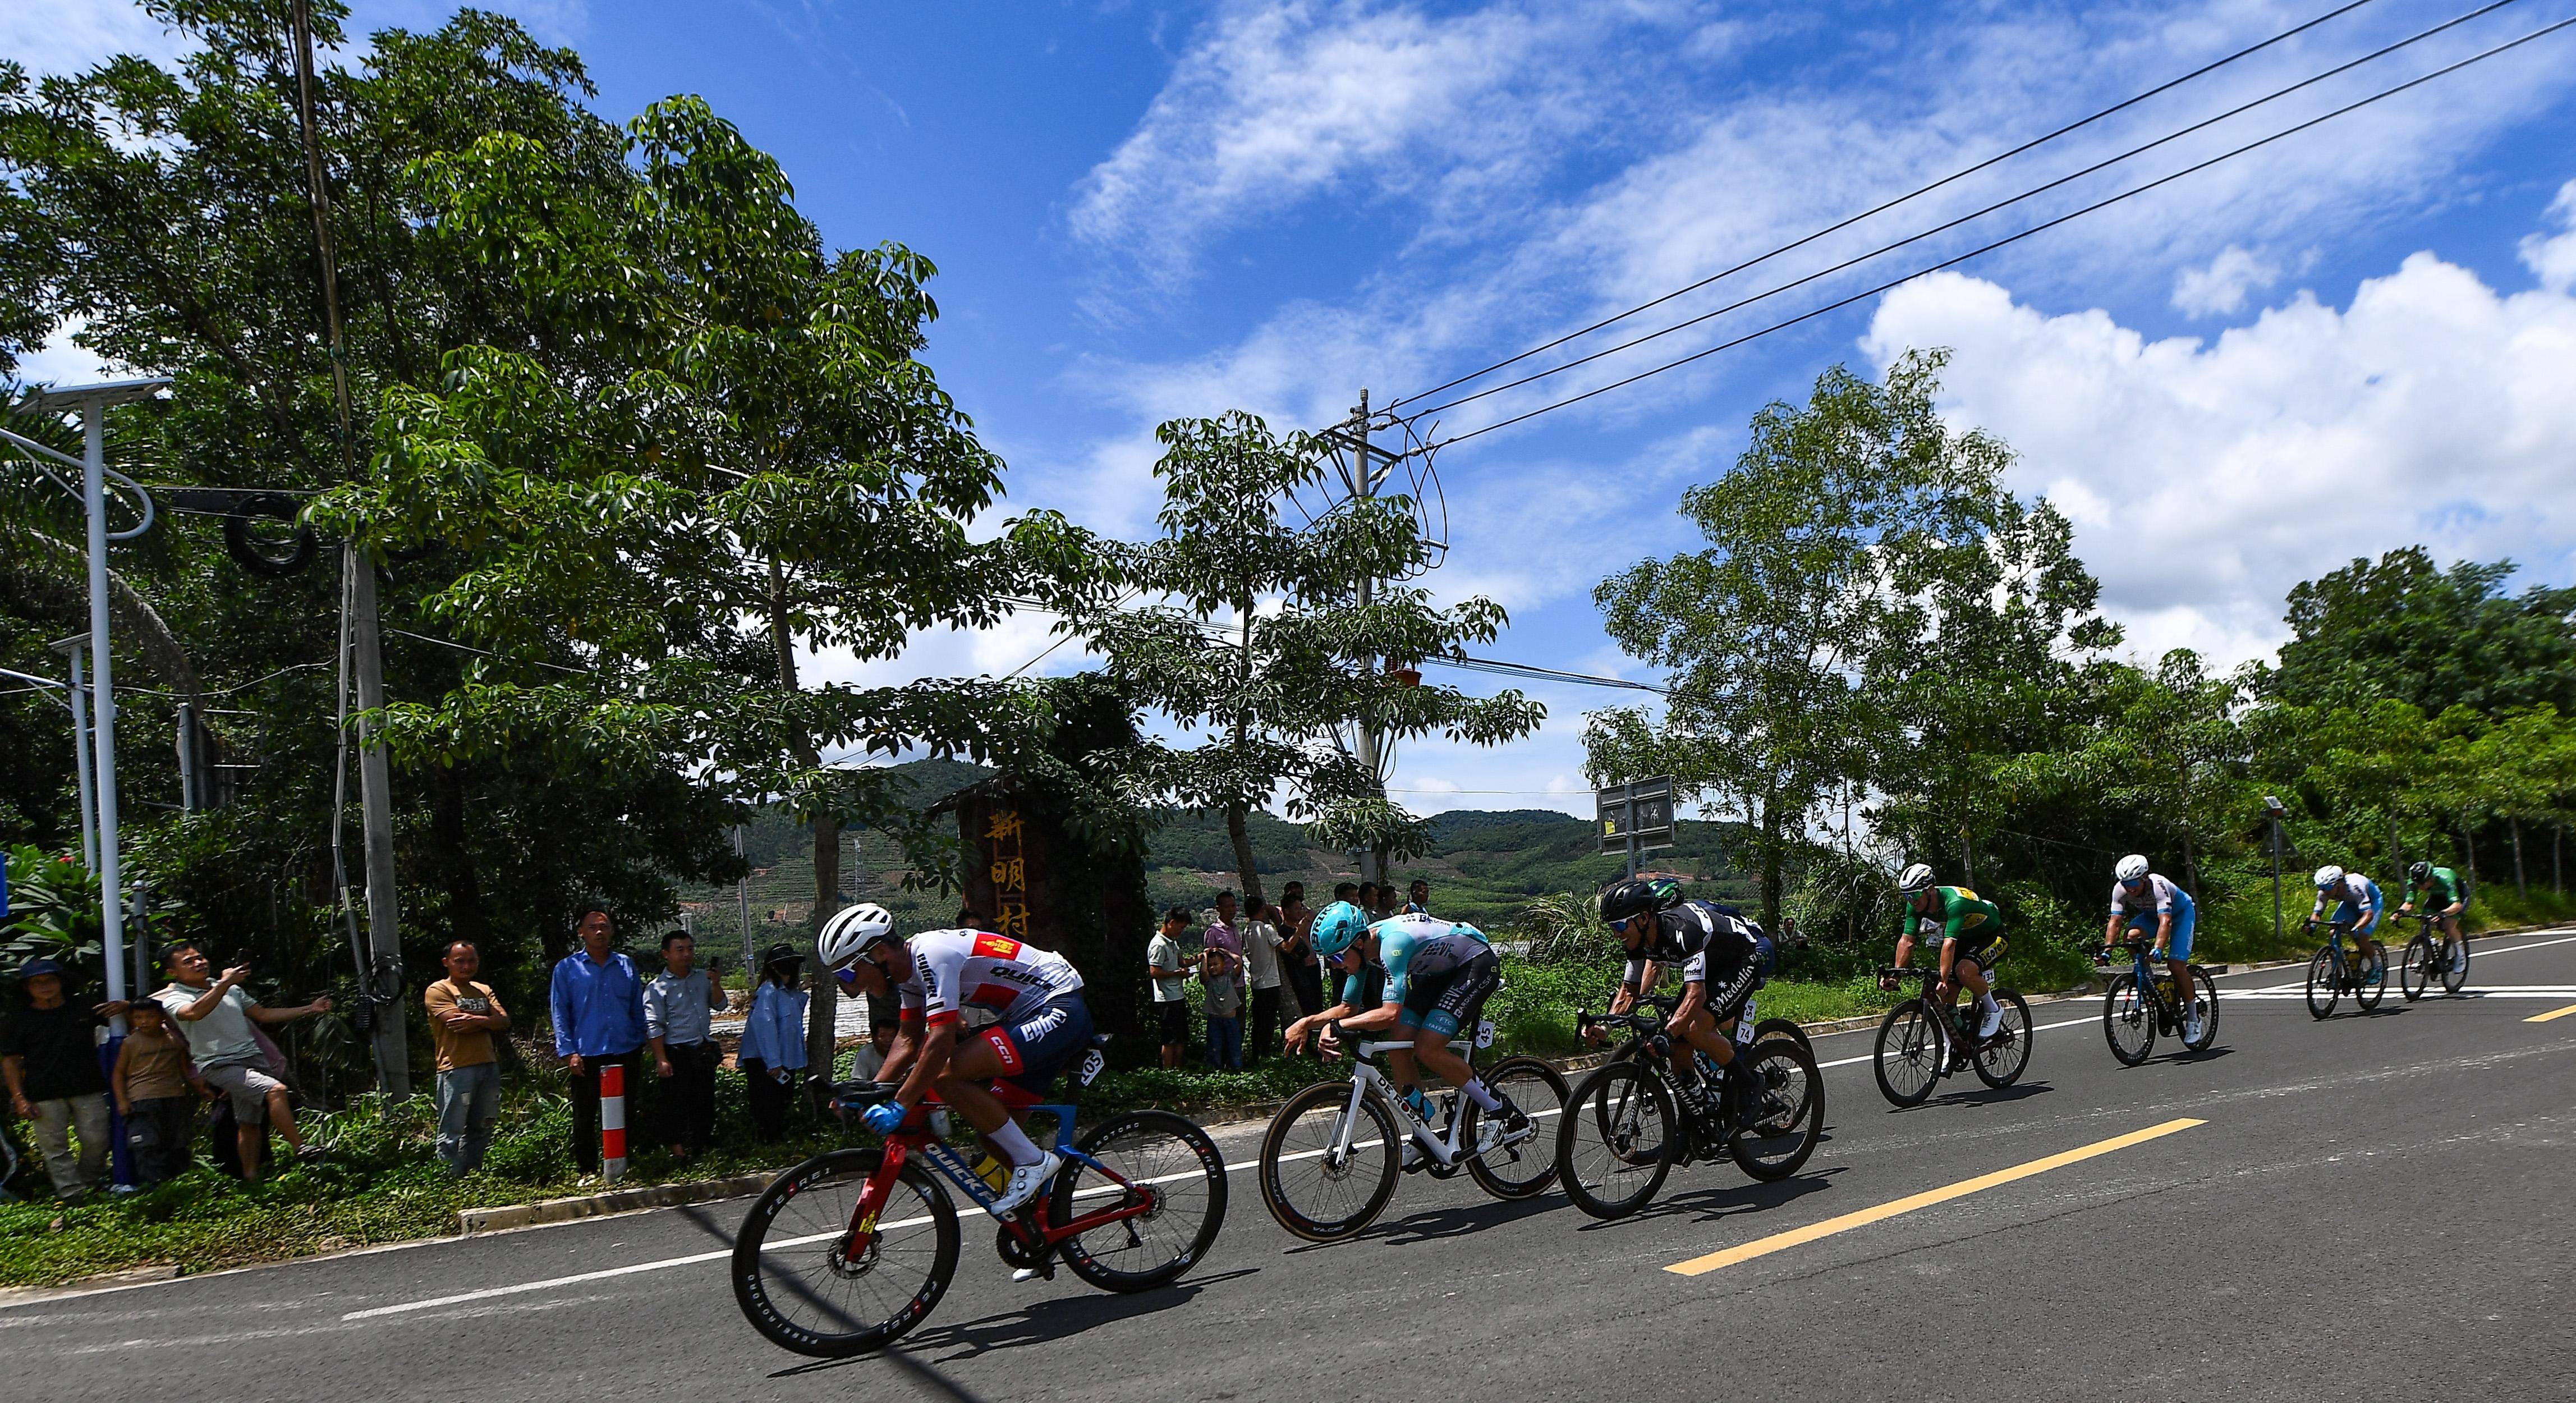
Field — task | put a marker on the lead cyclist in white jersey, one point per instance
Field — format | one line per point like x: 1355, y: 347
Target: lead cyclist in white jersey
x: 1037, y: 995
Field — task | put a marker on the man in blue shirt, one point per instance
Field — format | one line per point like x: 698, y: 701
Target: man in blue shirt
x: 598, y: 1004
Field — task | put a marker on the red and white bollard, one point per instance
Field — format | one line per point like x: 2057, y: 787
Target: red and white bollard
x: 612, y: 1121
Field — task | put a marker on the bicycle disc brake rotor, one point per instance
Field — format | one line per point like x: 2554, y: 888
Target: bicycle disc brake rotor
x: 844, y: 1265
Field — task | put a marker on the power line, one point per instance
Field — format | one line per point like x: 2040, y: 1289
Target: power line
x: 1889, y: 205
x: 1547, y: 674
x: 1969, y: 217
x: 1900, y: 281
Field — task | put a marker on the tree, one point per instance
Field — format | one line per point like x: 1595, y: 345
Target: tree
x: 2402, y: 627
x: 1256, y: 640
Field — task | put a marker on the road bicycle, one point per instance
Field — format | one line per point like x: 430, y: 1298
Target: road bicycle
x: 2143, y: 1002
x: 1630, y: 1122
x: 2427, y: 960
x: 1330, y: 1159
x: 1920, y: 1041
x: 2332, y: 974
x: 851, y: 1249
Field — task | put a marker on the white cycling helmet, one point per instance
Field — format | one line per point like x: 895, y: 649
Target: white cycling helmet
x: 1915, y: 879
x: 2328, y: 875
x: 852, y: 933
x: 2132, y: 868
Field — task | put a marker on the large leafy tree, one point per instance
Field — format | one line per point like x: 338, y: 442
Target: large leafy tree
x: 1254, y: 642
x: 2403, y: 627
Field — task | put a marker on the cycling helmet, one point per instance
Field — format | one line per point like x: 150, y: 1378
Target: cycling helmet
x: 2419, y: 873
x: 1915, y: 880
x: 1336, y: 927
x: 852, y: 933
x: 2132, y: 868
x: 1637, y: 896
x: 2328, y: 876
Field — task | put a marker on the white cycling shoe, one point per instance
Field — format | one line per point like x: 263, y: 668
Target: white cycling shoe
x: 1992, y: 1023
x: 1025, y: 1182
x: 2191, y: 1026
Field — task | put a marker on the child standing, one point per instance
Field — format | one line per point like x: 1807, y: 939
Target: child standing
x: 1221, y: 975
x: 152, y: 1083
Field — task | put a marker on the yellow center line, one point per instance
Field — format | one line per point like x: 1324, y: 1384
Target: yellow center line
x: 1761, y: 1247
x: 2552, y: 1014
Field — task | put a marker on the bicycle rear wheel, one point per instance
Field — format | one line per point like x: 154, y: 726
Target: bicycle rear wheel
x: 2001, y: 1058
x: 1782, y: 1028
x: 2455, y: 975
x: 1313, y: 1187
x: 1910, y: 1053
x: 1524, y: 1167
x: 1617, y: 1140
x: 792, y: 1274
x: 1788, y: 1117
x: 1160, y: 1155
x: 2415, y: 973
x: 2204, y: 992
x: 2324, y: 990
x: 2365, y: 993
x: 2126, y: 1022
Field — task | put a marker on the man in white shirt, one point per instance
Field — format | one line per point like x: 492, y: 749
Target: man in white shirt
x: 1262, y: 970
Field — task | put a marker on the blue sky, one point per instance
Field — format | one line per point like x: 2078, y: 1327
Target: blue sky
x: 2360, y: 337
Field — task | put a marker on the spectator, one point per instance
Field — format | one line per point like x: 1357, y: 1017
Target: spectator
x: 871, y: 1059
x: 152, y: 1079
x: 1259, y: 933
x: 598, y: 1004
x: 1419, y: 903
x: 1366, y: 900
x: 1297, y: 949
x: 463, y: 1016
x: 49, y: 1051
x: 676, y: 1006
x: 217, y: 1020
x: 1221, y: 975
x: 1220, y: 928
x: 1169, y: 970
x: 773, y: 1041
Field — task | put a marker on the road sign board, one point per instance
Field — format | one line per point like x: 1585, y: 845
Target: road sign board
x: 1636, y: 817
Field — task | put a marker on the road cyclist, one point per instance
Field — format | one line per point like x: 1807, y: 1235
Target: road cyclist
x: 2446, y: 900
x: 1970, y: 930
x: 2357, y: 905
x: 1724, y: 959
x: 2140, y: 898
x: 1438, y: 976
x: 1922, y: 1040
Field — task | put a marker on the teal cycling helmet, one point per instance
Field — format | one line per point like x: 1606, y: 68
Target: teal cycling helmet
x: 1336, y: 927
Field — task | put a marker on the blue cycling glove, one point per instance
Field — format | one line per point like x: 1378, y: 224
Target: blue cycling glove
x: 884, y: 1116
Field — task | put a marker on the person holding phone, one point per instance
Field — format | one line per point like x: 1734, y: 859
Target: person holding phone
x: 217, y: 1019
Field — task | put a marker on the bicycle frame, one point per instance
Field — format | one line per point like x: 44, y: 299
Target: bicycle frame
x: 1365, y: 1076
x: 915, y: 1137
x: 2148, y: 988
x: 1945, y: 1015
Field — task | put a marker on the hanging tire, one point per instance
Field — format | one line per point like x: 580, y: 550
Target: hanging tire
x: 1617, y: 1140
x: 2127, y: 1023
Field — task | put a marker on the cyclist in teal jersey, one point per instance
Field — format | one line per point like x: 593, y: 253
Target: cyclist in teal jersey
x: 2446, y: 896
x: 1438, y: 976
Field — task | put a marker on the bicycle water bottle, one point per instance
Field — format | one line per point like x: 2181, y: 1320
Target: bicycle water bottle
x: 993, y: 1172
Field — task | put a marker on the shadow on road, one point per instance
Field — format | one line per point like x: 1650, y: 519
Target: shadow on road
x: 1710, y: 1204
x: 1987, y: 1095
x: 1438, y: 1223
x: 1041, y: 1322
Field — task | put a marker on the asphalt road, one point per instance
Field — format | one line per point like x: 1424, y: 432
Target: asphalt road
x: 2373, y: 1206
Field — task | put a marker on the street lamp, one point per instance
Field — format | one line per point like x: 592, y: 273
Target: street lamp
x: 2272, y: 808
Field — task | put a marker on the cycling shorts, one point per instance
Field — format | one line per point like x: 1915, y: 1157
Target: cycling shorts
x: 1728, y: 993
x: 1043, y: 1044
x: 1982, y: 946
x: 1453, y: 999
x: 2185, y: 917
x: 2351, y: 914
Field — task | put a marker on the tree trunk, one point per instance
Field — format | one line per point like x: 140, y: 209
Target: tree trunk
x: 2520, y: 890
x: 2190, y: 865
x: 1238, y: 829
x: 822, y: 1012
x: 1967, y: 857
x: 1770, y: 863
x: 2468, y: 855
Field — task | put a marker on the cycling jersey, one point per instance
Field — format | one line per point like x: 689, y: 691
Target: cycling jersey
x: 1962, y: 913
x: 2442, y: 889
x: 2160, y: 899
x: 954, y: 968
x: 1710, y: 941
x: 1365, y: 989
x: 2159, y: 895
x: 1416, y: 948
x: 2360, y: 904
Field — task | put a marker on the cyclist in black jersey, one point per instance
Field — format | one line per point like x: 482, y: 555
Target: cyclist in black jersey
x: 1724, y: 959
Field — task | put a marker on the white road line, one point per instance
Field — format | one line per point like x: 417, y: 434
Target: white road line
x: 2493, y: 991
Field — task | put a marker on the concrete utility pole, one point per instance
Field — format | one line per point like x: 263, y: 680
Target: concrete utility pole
x: 72, y: 647
x: 742, y: 904
x: 1364, y: 485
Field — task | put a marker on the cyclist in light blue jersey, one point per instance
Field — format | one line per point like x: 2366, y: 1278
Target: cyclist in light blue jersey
x: 2140, y: 899
x: 1438, y: 976
x: 2355, y: 899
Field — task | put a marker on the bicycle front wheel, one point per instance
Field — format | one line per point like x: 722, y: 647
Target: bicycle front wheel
x: 2324, y: 990
x: 1911, y: 1052
x: 2001, y: 1058
x: 2415, y: 974
x: 2455, y: 973
x: 1788, y: 1115
x: 1315, y: 1185
x: 1617, y: 1140
x: 2204, y: 993
x: 799, y: 1284
x: 1523, y: 1167
x: 2127, y: 1023
x: 1164, y: 1159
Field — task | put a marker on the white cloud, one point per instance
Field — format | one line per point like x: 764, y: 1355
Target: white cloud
x: 59, y: 362
x: 2220, y: 287
x: 67, y: 36
x: 2553, y: 257
x: 2206, y: 478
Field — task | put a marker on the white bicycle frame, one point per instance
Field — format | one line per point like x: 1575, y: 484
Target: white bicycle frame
x: 1365, y: 1077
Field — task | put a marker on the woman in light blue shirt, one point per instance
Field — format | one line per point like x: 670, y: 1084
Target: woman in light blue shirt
x: 773, y: 1041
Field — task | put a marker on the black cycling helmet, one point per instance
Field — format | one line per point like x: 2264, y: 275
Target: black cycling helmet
x: 1637, y: 896
x: 2420, y: 872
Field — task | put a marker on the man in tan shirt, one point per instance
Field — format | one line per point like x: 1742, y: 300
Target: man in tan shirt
x: 463, y: 1016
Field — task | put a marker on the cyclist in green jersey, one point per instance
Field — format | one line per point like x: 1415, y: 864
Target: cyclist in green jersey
x: 1971, y: 932
x: 2446, y: 896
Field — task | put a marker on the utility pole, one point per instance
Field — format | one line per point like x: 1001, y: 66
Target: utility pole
x: 1364, y: 486
x: 80, y: 753
x: 742, y: 903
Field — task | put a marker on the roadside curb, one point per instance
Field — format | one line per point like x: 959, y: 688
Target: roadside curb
x: 131, y: 1276
x: 566, y: 1210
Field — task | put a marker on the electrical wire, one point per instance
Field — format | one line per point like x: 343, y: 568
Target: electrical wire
x: 1544, y: 674
x: 1983, y: 249
x: 1973, y: 215
x: 1889, y: 205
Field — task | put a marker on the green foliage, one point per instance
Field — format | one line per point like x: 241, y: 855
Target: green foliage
x: 2404, y: 628
x: 53, y: 911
